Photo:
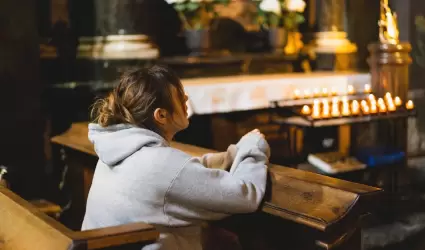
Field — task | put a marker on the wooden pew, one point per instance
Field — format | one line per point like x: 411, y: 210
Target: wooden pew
x: 301, y: 210
x: 23, y: 226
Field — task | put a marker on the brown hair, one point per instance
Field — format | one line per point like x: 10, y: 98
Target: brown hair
x: 136, y: 97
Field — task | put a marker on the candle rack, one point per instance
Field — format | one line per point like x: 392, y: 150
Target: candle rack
x: 293, y: 116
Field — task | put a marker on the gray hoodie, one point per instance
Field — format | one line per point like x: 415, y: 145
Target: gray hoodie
x: 140, y: 178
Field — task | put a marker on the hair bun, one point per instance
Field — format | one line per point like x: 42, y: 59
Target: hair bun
x: 111, y: 111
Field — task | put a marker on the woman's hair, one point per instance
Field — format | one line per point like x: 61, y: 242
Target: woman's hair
x: 136, y: 97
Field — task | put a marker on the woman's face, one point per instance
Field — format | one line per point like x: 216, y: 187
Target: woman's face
x: 179, y: 117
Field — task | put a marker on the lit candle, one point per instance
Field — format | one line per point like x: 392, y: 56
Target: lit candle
x: 346, y: 109
x: 373, y: 109
x: 306, y: 110
x: 391, y: 107
x: 381, y: 101
x: 397, y: 101
x: 371, y: 97
x: 333, y: 91
x: 325, y: 91
x: 344, y: 99
x: 409, y: 104
x: 363, y: 103
x: 316, y: 113
x: 355, y: 110
x: 335, y: 110
x: 335, y: 100
x: 365, y: 110
x: 388, y: 96
x: 316, y: 102
x: 316, y: 92
x: 367, y: 88
x: 350, y: 90
x: 307, y: 93
x: 382, y: 108
x: 325, y: 112
x: 297, y: 94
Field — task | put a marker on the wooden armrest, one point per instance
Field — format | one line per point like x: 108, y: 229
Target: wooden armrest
x: 117, y: 235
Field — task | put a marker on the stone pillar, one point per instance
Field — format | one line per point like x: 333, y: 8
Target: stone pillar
x: 333, y: 49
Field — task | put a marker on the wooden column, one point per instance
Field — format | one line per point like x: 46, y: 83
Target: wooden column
x: 21, y: 127
x: 389, y: 66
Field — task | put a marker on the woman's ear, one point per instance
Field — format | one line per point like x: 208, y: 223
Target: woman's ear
x: 160, y: 116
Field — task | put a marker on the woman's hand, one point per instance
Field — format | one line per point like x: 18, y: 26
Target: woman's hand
x: 256, y: 131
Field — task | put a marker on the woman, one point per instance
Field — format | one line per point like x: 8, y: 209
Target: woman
x: 140, y: 178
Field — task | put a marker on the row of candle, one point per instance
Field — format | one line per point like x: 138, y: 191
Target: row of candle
x: 298, y: 94
x: 369, y: 106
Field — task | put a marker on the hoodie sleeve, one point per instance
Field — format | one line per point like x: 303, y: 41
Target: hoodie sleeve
x: 199, y: 193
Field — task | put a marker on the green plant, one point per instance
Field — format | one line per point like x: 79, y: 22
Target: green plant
x: 196, y: 14
x: 281, y: 13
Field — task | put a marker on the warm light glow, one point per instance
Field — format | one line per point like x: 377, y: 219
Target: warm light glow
x: 371, y: 97
x: 350, y: 90
x: 397, y: 101
x: 325, y: 92
x: 355, y: 110
x: 306, y: 110
x: 316, y: 102
x: 346, y: 109
x: 367, y: 88
x: 355, y: 103
x: 365, y: 109
x: 409, y: 104
x: 307, y: 93
x: 381, y: 101
x: 373, y: 109
x: 344, y: 99
x: 316, y: 113
x: 382, y: 108
x: 325, y: 112
x: 333, y: 91
x: 391, y: 107
x: 297, y: 94
x: 335, y: 100
x: 335, y: 110
x: 363, y: 103
x: 388, y: 96
x: 316, y: 92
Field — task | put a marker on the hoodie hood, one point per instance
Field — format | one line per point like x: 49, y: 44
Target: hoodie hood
x: 115, y: 143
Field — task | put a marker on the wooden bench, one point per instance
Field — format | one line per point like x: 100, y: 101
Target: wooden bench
x: 301, y: 210
x: 23, y: 226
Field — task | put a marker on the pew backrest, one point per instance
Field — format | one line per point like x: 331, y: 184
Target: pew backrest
x: 23, y: 226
